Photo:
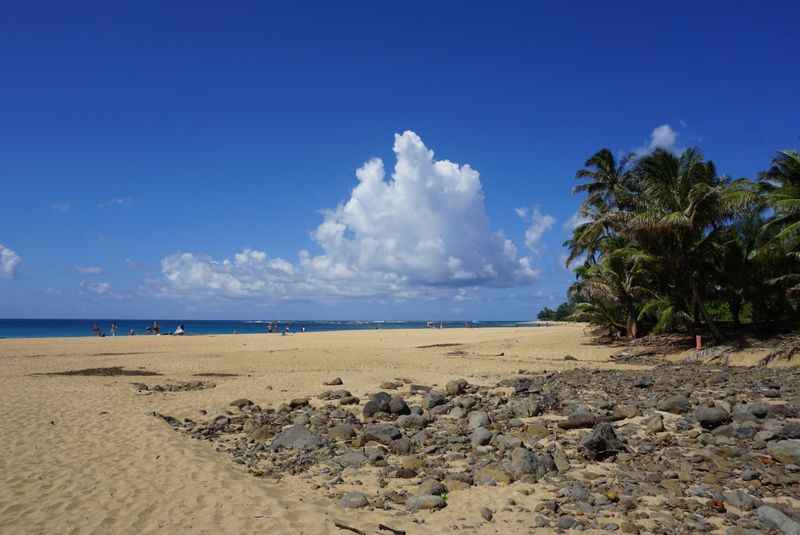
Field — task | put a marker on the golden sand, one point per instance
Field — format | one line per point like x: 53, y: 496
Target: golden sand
x: 85, y: 455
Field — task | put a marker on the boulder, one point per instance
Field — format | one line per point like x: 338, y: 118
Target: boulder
x: 786, y: 451
x: 354, y: 500
x: 426, y: 501
x: 382, y: 433
x: 677, y: 404
x: 602, y: 443
x: 433, y: 399
x: 712, y: 417
x: 241, y: 402
x: 296, y: 437
x: 397, y: 405
x: 477, y: 419
x: 480, y: 437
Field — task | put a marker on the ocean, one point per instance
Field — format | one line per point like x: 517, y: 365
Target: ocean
x: 49, y: 328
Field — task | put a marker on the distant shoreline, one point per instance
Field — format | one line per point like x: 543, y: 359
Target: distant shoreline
x: 53, y: 329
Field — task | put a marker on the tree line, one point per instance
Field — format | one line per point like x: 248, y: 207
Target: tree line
x: 667, y: 244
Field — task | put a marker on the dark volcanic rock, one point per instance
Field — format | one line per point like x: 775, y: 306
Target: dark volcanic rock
x: 297, y: 437
x: 602, y: 443
x: 382, y: 433
x: 677, y: 404
x: 711, y: 417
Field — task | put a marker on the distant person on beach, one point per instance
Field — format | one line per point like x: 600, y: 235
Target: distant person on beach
x: 95, y: 329
x: 179, y: 331
x: 156, y: 328
x: 131, y: 333
x: 114, y: 328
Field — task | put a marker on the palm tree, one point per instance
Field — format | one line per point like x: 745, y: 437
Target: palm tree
x: 781, y: 184
x: 678, y: 218
x: 614, y: 288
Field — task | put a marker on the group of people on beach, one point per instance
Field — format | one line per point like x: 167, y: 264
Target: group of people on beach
x: 155, y: 329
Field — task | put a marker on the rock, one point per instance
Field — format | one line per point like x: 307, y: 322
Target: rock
x: 354, y: 500
x: 241, y: 402
x: 477, y: 419
x: 431, y: 487
x: 371, y: 408
x: 381, y: 433
x: 487, y: 514
x: 492, y: 474
x: 525, y: 463
x: 578, y: 421
x: 336, y: 381
x: 773, y: 518
x: 465, y: 402
x: 566, y: 522
x: 417, y: 503
x: 455, y: 387
x: 526, y: 407
x: 655, y: 424
x: 480, y: 437
x: 624, y: 412
x: 391, y: 385
x: 644, y: 381
x: 433, y: 399
x: 569, y: 358
x: 740, y: 500
x: 401, y: 446
x: 786, y: 451
x: 677, y: 404
x: 711, y: 417
x: 561, y: 461
x: 412, y: 421
x: 397, y: 405
x: 349, y: 400
x: 381, y: 401
x: 790, y: 430
x: 353, y: 458
x: 296, y: 437
x: 219, y: 422
x: 602, y: 443
x: 342, y: 432
x: 298, y: 403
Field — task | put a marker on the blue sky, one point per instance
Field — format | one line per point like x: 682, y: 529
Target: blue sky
x: 142, y: 146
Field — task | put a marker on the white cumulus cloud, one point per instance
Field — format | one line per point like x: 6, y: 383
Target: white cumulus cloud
x: 662, y: 137
x: 575, y: 220
x: 421, y: 232
x: 9, y: 262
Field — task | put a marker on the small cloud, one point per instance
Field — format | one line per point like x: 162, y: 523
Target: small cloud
x: 662, y: 137
x: 683, y: 123
x: 539, y: 224
x: 62, y: 207
x: 575, y: 220
x: 89, y: 270
x: 103, y: 289
x: 115, y: 201
x: 133, y: 264
x: 9, y: 262
x: 575, y: 261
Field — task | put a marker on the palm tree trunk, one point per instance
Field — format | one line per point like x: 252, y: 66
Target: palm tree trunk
x: 700, y: 305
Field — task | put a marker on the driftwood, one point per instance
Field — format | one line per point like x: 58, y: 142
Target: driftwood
x: 349, y: 528
x: 393, y: 531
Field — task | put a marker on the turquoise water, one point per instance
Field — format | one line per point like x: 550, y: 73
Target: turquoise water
x: 28, y: 328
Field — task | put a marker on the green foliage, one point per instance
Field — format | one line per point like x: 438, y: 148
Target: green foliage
x: 668, y: 244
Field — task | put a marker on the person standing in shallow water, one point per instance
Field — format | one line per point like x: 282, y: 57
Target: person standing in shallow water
x: 114, y: 328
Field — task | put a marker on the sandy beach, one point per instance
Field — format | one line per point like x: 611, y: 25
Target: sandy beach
x: 85, y: 454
